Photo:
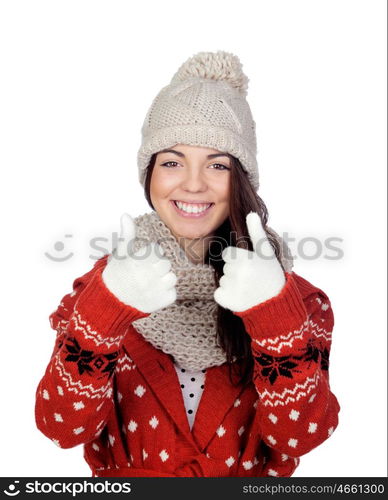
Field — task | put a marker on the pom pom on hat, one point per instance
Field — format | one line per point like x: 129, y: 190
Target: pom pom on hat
x: 218, y: 65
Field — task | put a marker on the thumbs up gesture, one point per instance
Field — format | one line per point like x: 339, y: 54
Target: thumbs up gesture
x: 249, y: 278
x: 139, y: 279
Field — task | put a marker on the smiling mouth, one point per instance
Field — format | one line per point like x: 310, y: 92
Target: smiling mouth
x: 192, y: 208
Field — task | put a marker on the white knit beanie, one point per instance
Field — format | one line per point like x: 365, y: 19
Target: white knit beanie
x: 204, y: 105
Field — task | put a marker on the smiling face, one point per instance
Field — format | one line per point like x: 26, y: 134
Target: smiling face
x: 190, y: 189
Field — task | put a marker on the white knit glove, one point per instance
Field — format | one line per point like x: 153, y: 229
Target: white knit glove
x: 140, y: 279
x: 250, y: 277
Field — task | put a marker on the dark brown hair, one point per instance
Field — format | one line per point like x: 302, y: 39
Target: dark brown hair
x: 231, y: 333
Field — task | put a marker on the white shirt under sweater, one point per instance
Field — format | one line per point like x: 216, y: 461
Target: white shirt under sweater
x: 192, y: 385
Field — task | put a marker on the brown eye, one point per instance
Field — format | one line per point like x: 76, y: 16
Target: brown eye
x: 220, y: 166
x: 168, y: 164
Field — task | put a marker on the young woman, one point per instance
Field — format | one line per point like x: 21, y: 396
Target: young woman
x: 193, y: 349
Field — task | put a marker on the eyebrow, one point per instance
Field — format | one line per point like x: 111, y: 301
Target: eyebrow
x: 178, y: 153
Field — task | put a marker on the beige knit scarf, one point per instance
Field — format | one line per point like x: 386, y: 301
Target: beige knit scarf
x: 186, y: 329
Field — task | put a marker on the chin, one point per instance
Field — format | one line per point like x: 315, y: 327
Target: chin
x: 189, y: 233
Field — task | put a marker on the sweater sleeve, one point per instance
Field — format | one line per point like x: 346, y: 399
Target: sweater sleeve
x: 290, y: 341
x: 74, y: 397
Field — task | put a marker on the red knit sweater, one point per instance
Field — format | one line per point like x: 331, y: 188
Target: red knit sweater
x: 108, y: 388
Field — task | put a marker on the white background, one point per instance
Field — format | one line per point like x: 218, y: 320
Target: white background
x: 77, y: 78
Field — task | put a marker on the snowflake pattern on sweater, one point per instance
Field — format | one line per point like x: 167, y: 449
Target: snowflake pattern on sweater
x: 109, y: 389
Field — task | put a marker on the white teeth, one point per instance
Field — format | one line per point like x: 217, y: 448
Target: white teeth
x: 186, y: 207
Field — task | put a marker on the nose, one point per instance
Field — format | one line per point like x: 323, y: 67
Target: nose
x: 194, y: 181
